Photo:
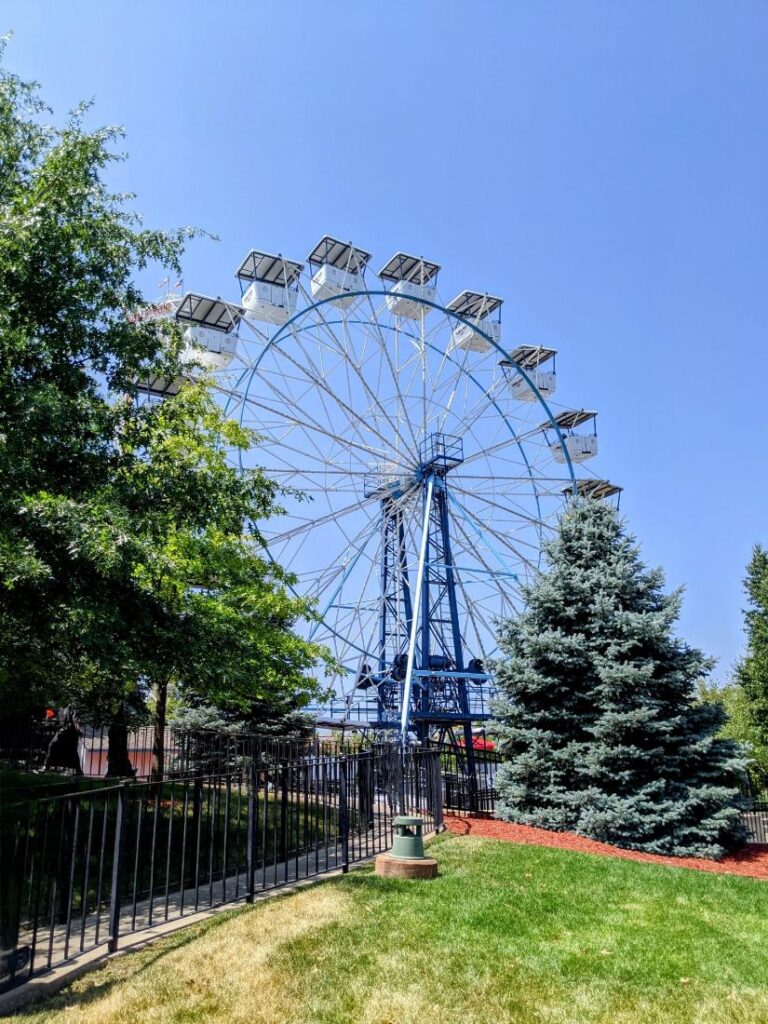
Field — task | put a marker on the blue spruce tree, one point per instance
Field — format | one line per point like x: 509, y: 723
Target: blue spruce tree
x: 597, y: 716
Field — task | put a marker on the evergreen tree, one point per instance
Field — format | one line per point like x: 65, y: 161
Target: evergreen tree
x: 597, y: 716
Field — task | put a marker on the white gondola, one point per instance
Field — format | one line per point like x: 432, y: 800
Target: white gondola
x: 531, y: 359
x: 475, y: 308
x: 209, y: 330
x: 544, y: 382
x: 579, y: 447
x: 212, y: 350
x: 412, y: 285
x: 270, y: 282
x: 163, y: 309
x: 407, y: 299
x: 467, y: 336
x: 339, y: 271
x: 269, y: 303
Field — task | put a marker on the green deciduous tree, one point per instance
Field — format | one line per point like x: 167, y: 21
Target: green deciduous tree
x: 218, y: 613
x: 130, y: 555
x: 739, y: 724
x: 69, y: 250
x: 752, y: 674
x: 598, y: 717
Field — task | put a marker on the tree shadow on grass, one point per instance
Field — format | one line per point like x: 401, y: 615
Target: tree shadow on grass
x: 105, y: 975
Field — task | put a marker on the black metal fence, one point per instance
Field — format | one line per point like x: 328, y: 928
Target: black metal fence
x: 474, y: 791
x: 469, y: 781
x: 755, y: 819
x: 25, y: 745
x: 84, y: 869
x: 755, y: 814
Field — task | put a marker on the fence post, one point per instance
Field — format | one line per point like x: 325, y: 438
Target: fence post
x: 284, y: 815
x: 65, y: 863
x: 437, y: 791
x: 117, y: 867
x: 365, y: 787
x: 250, y: 851
x: 343, y: 814
x: 401, y: 761
x: 14, y: 959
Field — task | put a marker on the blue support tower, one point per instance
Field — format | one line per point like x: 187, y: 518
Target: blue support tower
x: 422, y: 678
x: 396, y: 614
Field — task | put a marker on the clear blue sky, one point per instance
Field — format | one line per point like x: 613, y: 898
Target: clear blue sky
x: 601, y: 165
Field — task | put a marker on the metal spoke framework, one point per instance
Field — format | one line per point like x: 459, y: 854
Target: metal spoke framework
x: 431, y: 467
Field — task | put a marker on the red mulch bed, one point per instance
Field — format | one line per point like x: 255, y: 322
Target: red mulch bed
x: 751, y: 861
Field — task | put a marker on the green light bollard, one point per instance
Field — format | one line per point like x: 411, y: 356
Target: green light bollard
x: 408, y: 838
x: 406, y: 859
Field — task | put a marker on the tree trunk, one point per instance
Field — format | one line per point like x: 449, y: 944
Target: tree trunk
x: 64, y: 748
x: 118, y: 762
x: 158, y: 749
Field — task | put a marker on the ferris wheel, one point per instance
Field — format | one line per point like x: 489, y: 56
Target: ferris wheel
x: 423, y: 462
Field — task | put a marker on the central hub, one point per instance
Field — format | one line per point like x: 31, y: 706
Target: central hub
x: 388, y: 480
x: 437, y: 454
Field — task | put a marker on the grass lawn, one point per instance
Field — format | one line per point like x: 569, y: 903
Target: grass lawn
x: 505, y: 934
x: 16, y: 784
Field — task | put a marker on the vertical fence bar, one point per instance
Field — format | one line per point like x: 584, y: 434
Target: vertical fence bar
x: 225, y: 845
x: 241, y: 778
x: 284, y: 820
x: 70, y: 854
x: 40, y: 861
x: 117, y: 867
x: 86, y: 877
x: 213, y: 822
x: 169, y: 841
x: 184, y: 846
x: 437, y: 798
x: 137, y: 865
x: 352, y: 808
x: 275, y: 826
x: 295, y: 789
x: 267, y: 815
x: 324, y: 798
x: 400, y: 777
x: 53, y: 894
x: 250, y: 838
x: 343, y: 814
x: 100, y: 877
x: 305, y: 814
x: 198, y: 818
x: 153, y: 852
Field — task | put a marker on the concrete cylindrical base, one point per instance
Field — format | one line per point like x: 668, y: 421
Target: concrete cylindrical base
x: 405, y: 867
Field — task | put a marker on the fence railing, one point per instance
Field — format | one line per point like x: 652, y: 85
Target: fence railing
x: 470, y: 787
x: 755, y: 819
x: 184, y: 751
x: 755, y: 814
x: 83, y: 870
x: 469, y: 781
